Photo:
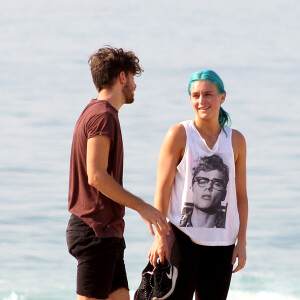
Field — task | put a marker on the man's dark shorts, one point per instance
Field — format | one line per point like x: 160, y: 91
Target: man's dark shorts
x: 101, y: 269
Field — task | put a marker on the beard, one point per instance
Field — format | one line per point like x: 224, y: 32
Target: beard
x: 128, y: 94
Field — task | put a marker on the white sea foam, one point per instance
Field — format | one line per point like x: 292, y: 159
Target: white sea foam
x: 258, y: 296
x: 233, y: 295
x: 14, y: 296
x: 248, y: 296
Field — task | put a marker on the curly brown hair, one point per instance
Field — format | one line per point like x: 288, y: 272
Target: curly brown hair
x: 108, y: 62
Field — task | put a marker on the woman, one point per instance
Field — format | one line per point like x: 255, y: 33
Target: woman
x: 201, y: 188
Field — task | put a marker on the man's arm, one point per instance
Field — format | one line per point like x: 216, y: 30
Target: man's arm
x: 97, y: 161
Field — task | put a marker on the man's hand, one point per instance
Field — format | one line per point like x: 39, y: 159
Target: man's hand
x: 240, y: 253
x: 152, y: 216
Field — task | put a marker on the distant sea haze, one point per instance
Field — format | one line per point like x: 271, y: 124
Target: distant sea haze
x: 45, y: 83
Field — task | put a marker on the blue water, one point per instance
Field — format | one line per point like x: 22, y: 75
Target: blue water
x: 45, y: 83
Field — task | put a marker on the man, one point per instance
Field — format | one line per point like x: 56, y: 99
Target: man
x: 209, y: 183
x: 97, y: 199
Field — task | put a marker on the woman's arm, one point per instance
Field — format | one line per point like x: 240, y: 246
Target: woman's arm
x: 240, y: 151
x: 171, y: 153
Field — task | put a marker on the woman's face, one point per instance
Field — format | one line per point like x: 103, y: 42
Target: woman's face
x: 208, y: 189
x: 205, y: 99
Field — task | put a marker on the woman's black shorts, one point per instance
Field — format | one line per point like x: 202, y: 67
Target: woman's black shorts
x: 203, y: 270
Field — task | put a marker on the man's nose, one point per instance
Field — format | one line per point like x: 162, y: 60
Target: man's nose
x: 210, y: 186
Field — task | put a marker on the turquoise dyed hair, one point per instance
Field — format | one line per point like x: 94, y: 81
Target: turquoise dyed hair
x: 213, y: 77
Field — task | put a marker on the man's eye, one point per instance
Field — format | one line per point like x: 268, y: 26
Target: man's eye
x: 202, y: 181
x: 218, y: 184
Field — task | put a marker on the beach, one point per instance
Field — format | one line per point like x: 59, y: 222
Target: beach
x: 45, y: 83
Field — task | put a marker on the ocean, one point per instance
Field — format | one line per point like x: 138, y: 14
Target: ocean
x: 45, y: 83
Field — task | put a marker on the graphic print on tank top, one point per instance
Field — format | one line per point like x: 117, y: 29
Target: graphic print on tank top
x: 210, y: 177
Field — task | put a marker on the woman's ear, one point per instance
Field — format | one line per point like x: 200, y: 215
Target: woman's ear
x: 223, y: 96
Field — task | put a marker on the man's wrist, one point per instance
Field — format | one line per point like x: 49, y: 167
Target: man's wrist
x: 139, y: 205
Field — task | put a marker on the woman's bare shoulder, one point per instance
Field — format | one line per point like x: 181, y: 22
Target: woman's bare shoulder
x: 238, y: 141
x: 177, y: 131
x: 237, y: 136
x: 176, y: 138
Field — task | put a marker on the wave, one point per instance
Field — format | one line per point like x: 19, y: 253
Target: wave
x: 14, y: 296
x: 233, y: 295
x: 236, y: 295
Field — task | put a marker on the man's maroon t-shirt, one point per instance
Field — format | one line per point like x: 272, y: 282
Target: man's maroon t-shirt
x: 104, y: 215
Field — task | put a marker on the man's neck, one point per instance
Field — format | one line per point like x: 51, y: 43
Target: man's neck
x: 203, y: 219
x: 112, y: 96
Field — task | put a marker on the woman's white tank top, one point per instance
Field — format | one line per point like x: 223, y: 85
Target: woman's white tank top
x: 203, y: 201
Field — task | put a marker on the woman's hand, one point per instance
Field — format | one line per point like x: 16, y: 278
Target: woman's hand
x: 240, y: 253
x: 159, y: 249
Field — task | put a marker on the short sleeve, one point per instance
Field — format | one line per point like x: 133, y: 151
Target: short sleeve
x: 101, y: 124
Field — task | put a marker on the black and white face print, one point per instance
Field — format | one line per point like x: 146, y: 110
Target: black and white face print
x: 209, y: 187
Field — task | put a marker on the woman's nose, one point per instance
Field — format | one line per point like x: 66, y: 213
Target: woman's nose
x: 201, y: 101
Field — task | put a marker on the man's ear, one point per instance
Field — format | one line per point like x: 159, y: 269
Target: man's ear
x: 224, y: 195
x: 122, y: 77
